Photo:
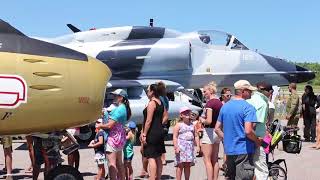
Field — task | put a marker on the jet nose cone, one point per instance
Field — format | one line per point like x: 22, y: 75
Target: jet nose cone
x: 290, y: 71
x: 304, y: 75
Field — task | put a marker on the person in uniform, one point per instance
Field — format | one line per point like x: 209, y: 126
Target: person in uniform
x: 292, y: 107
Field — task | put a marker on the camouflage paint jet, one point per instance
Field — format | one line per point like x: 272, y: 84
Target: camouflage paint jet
x: 46, y: 87
x: 140, y: 55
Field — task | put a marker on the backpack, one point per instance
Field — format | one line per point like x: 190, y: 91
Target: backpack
x: 292, y: 144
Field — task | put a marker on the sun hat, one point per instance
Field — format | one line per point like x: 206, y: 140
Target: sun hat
x: 244, y: 84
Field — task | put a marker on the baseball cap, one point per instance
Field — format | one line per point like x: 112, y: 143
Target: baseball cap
x: 120, y: 92
x: 183, y: 109
x: 132, y: 125
x: 244, y: 84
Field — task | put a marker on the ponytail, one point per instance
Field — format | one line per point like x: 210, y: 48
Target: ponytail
x: 161, y: 89
x: 127, y: 104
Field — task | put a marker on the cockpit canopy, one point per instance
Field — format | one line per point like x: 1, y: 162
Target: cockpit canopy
x: 236, y: 44
x: 218, y: 38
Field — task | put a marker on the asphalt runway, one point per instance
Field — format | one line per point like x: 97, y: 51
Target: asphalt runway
x: 304, y: 166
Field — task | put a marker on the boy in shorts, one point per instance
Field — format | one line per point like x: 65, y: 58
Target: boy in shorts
x: 98, y: 145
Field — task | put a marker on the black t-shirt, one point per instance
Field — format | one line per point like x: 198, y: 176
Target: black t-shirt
x: 215, y: 105
x: 99, y: 149
x: 309, y: 101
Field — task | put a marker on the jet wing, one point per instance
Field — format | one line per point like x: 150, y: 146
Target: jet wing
x: 171, y: 86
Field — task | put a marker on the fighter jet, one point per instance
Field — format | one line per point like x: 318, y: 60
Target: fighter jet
x: 140, y: 55
x: 187, y: 59
x: 45, y: 87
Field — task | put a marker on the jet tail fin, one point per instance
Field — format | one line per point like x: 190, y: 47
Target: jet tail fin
x: 6, y: 28
x: 73, y: 28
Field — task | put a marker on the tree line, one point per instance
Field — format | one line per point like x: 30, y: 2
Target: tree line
x: 312, y: 66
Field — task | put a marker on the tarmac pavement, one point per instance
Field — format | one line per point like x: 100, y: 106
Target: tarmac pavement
x: 303, y: 166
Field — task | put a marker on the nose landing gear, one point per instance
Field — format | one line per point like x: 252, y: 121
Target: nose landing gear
x: 53, y: 143
x: 64, y: 172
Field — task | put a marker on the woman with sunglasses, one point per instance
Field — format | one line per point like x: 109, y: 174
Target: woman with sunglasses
x: 224, y: 98
x: 225, y: 95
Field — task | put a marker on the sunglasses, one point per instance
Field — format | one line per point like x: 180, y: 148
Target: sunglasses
x: 193, y: 114
x: 227, y: 95
x: 266, y: 89
x: 248, y: 90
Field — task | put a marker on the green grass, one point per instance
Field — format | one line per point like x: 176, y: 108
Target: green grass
x: 300, y: 88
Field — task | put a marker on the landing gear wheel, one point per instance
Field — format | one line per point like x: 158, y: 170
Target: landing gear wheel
x: 64, y: 172
x: 86, y: 135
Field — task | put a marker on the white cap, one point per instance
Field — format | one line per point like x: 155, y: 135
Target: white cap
x: 111, y: 107
x: 99, y: 120
x: 244, y: 84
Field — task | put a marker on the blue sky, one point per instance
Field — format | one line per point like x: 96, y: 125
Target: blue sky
x: 284, y: 28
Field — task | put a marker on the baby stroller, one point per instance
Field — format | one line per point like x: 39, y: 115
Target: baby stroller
x: 292, y: 143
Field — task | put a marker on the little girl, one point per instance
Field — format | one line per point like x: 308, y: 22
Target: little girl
x: 128, y: 149
x: 98, y: 145
x: 183, y: 141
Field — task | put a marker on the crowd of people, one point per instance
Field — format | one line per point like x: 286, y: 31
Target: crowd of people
x: 237, y: 121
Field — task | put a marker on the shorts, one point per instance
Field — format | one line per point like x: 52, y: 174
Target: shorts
x: 6, y: 141
x: 100, y: 158
x: 128, y: 158
x: 240, y: 167
x: 209, y: 136
x: 112, y: 149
